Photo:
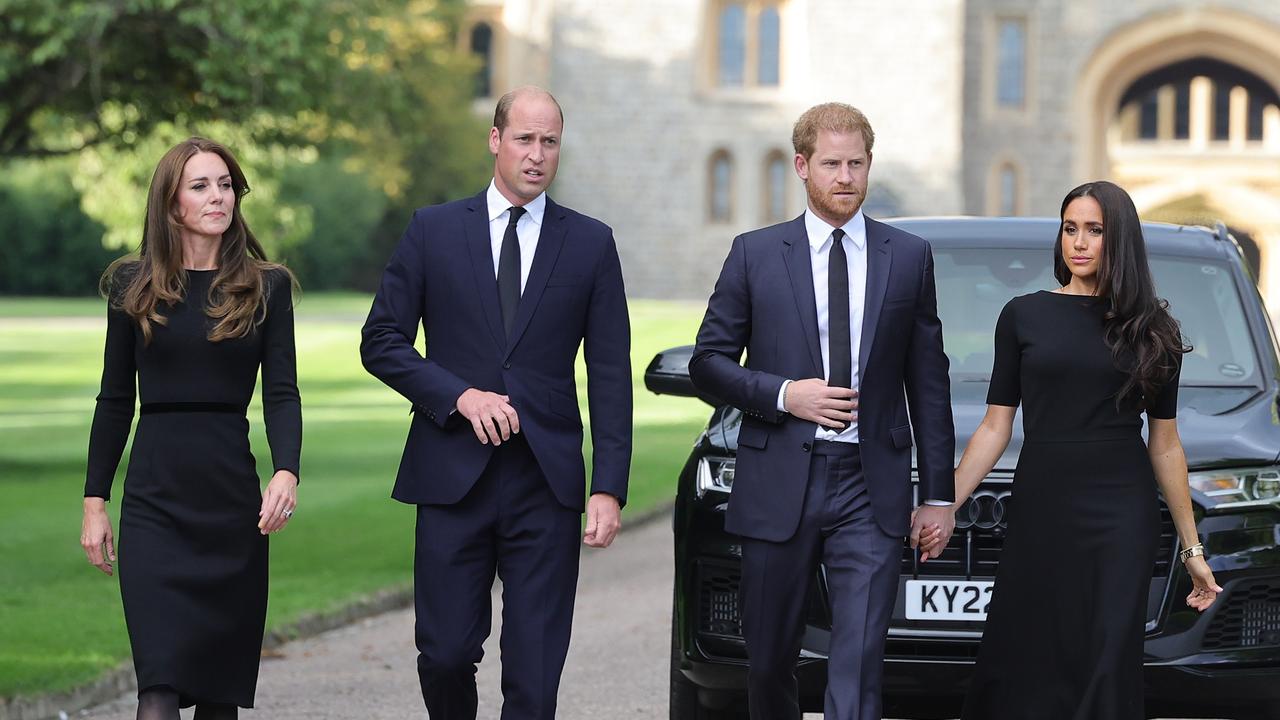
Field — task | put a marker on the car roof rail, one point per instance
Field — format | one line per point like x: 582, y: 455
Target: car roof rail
x: 1221, y: 232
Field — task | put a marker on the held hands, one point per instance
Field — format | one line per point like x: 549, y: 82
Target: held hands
x: 491, y: 415
x: 931, y: 528
x: 279, y: 501
x: 815, y: 401
x: 95, y: 535
x: 1206, y: 588
x: 604, y: 518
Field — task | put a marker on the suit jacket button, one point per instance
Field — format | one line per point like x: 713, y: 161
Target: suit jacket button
x: 806, y: 447
x: 506, y: 366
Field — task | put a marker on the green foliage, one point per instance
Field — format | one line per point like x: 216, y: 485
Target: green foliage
x: 48, y: 245
x: 343, y: 211
x: 346, y: 114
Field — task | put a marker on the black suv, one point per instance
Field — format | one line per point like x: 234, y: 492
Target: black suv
x: 1224, y: 663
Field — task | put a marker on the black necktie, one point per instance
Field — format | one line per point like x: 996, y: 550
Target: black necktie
x: 839, y: 342
x: 509, y: 271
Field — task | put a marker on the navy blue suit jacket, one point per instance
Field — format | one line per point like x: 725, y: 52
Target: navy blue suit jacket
x: 764, y: 303
x: 441, y: 276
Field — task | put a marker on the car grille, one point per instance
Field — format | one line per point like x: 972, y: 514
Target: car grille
x: 974, y: 551
x: 1250, y: 619
x: 718, y: 615
x: 718, y: 600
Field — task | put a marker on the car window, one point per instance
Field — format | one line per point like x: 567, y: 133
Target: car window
x: 975, y: 283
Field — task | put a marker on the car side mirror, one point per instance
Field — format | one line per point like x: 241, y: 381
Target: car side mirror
x: 668, y: 374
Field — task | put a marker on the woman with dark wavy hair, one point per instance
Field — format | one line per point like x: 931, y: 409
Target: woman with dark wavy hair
x: 1065, y: 627
x: 191, y: 320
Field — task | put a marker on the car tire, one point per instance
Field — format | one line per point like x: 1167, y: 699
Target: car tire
x: 684, y: 703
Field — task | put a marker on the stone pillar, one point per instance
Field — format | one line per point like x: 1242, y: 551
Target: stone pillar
x: 1271, y: 128
x: 1200, y: 123
x: 1130, y: 119
x: 1238, y: 124
x: 1166, y: 112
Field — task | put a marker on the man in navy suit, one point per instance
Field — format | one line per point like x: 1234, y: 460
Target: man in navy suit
x: 838, y: 316
x: 506, y: 286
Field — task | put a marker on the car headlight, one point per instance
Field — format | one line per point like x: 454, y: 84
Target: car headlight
x: 1237, y: 487
x: 715, y: 474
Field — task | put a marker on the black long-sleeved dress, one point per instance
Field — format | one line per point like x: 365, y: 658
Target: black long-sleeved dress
x: 1065, y: 629
x: 192, y: 562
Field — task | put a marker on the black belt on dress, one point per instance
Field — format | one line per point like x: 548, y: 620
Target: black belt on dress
x: 193, y: 407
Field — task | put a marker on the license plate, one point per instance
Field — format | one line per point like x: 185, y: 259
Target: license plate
x: 948, y: 599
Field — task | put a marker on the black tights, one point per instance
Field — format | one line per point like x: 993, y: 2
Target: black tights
x: 161, y: 703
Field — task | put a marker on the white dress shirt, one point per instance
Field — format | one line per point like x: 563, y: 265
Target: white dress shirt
x: 528, y: 228
x: 855, y: 248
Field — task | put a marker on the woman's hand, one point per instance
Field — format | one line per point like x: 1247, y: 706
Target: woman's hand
x: 279, y: 501
x: 95, y: 535
x: 1206, y: 588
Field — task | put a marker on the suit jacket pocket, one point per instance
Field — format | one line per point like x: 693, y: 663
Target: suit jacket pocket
x: 566, y: 406
x: 565, y: 280
x: 900, y: 436
x: 753, y: 436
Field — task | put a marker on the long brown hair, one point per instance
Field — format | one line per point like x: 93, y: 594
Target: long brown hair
x: 1145, y: 340
x: 137, y: 285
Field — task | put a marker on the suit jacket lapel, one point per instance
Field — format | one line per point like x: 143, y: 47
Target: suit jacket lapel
x: 550, y: 240
x: 879, y: 258
x: 795, y: 255
x: 479, y: 244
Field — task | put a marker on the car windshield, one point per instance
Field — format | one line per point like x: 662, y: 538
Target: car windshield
x: 975, y: 283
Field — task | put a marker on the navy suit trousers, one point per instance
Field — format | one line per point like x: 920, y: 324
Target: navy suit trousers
x: 509, y: 525
x: 837, y: 529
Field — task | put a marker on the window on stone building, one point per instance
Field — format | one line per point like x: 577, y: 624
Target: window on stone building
x: 748, y: 43
x: 482, y: 48
x: 720, y: 187
x: 1011, y: 62
x: 775, y: 187
x: 768, y: 43
x: 1008, y: 190
x: 733, y: 45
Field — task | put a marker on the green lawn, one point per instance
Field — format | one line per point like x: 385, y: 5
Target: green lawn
x: 60, y: 620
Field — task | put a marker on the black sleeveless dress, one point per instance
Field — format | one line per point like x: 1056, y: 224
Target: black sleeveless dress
x: 192, y: 563
x: 1064, y: 634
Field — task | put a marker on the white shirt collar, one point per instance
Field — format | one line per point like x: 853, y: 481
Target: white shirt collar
x: 819, y: 231
x: 499, y: 204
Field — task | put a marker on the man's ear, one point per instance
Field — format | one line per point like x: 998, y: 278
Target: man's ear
x: 802, y: 167
x: 495, y: 137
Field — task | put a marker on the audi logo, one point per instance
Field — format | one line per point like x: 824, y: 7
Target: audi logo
x: 985, y: 510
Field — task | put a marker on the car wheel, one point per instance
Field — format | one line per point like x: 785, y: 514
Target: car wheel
x: 684, y: 694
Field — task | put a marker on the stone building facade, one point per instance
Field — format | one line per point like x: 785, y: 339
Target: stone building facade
x: 679, y: 112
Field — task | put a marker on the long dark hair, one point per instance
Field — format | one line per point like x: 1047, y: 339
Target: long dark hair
x: 236, y: 296
x: 1145, y: 340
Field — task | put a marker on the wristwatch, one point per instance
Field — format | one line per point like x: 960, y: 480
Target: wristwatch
x: 1187, y: 553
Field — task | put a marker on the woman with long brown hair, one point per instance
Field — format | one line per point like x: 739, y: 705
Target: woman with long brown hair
x: 1064, y: 634
x: 191, y: 320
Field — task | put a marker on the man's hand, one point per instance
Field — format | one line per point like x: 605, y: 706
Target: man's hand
x: 815, y: 401
x: 931, y: 528
x: 491, y: 415
x: 604, y: 518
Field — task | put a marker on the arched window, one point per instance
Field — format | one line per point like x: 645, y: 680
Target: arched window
x: 732, y: 55
x: 768, y: 46
x: 482, y: 48
x: 775, y: 187
x: 720, y: 187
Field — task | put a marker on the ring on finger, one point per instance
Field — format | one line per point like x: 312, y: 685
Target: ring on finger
x: 286, y: 512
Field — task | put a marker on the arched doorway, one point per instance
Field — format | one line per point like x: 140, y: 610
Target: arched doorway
x: 1185, y: 114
